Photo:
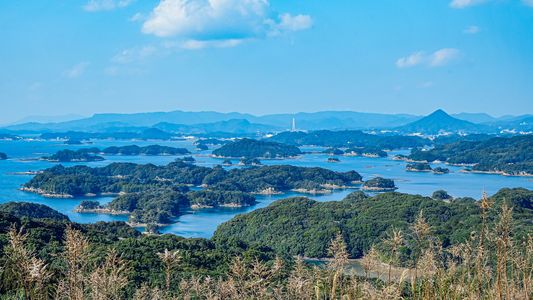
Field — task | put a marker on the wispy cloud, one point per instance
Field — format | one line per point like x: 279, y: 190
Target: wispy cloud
x: 471, y: 29
x: 102, y: 5
x: 436, y: 59
x: 138, y: 17
x: 465, y: 3
x: 443, y: 57
x: 134, y: 54
x: 528, y: 2
x: 411, y: 60
x: 217, y: 20
x: 198, y: 44
x: 76, y: 70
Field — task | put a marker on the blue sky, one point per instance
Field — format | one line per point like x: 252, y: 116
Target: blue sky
x: 265, y: 56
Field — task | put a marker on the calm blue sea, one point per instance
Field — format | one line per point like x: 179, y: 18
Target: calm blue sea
x: 203, y: 223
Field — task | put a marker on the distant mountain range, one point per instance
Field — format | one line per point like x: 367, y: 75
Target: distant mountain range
x: 209, y: 122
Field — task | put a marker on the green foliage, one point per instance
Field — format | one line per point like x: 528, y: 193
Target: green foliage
x: 441, y: 195
x: 89, y: 204
x: 300, y: 226
x: 71, y: 156
x: 128, y: 177
x: 418, y: 166
x: 31, y: 210
x: 379, y: 183
x: 257, y: 149
x: 220, y: 198
x: 512, y: 155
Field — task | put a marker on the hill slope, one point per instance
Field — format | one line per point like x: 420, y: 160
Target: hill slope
x: 440, y: 121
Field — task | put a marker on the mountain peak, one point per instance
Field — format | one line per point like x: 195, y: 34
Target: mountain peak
x: 439, y: 112
x: 439, y: 121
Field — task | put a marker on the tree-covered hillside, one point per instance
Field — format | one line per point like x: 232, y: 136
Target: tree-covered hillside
x: 300, y: 226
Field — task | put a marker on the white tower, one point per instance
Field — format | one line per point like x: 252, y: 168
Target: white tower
x: 293, y: 124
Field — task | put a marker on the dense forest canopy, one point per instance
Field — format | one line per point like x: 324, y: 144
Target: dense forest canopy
x: 300, y: 226
x: 256, y: 149
x: 129, y: 177
x: 31, y: 210
x: 512, y: 155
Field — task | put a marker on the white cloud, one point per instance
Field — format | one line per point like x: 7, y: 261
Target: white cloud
x: 465, y: 3
x: 197, y: 44
x: 443, y: 57
x: 138, y: 17
x: 100, y: 5
x: 134, y: 54
x: 218, y: 20
x: 436, y: 59
x: 411, y: 60
x: 528, y: 2
x: 471, y: 29
x: 293, y: 23
x: 76, y: 70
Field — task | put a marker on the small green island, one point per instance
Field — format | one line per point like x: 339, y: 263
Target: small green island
x: 72, y: 156
x: 333, y: 160
x: 379, y: 184
x: 418, y: 167
x: 250, y: 148
x: 440, y: 170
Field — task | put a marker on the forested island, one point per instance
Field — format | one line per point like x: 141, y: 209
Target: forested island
x: 66, y: 155
x: 92, y: 154
x: 3, y: 156
x: 379, y: 184
x: 154, y: 194
x: 250, y: 148
x: 506, y: 156
x: 350, y: 139
x: 418, y: 167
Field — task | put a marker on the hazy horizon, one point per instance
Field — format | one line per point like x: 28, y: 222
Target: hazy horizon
x: 69, y: 117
